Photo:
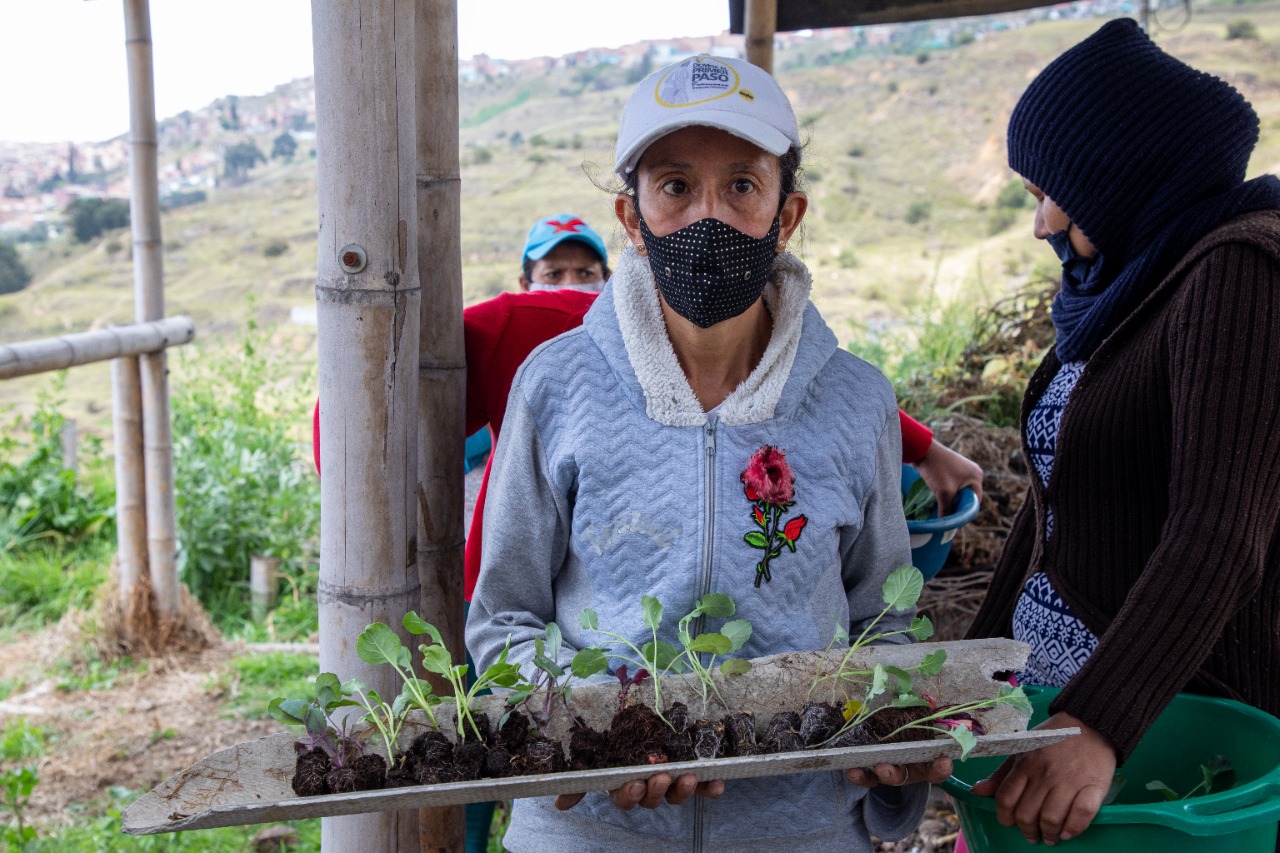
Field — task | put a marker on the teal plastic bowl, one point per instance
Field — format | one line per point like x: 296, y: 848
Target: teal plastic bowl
x: 931, y: 538
x: 1192, y: 730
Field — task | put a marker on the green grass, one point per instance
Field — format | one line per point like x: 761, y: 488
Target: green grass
x: 43, y: 582
x: 92, y: 673
x: 251, y: 681
x: 20, y: 740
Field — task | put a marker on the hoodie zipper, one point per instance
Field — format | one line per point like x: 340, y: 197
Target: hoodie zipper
x: 704, y: 586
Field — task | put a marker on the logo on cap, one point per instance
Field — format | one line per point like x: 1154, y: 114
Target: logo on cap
x: 571, y: 226
x: 696, y: 81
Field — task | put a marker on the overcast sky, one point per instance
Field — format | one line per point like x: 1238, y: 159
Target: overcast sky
x: 62, y: 62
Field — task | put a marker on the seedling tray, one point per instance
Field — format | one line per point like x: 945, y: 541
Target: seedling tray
x: 250, y: 783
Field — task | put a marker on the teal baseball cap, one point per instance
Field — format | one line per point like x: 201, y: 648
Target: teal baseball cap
x: 551, y: 231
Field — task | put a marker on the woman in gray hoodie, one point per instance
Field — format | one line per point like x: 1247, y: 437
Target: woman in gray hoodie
x: 701, y: 432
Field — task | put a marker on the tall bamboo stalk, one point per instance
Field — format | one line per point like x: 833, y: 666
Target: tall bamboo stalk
x: 131, y: 506
x: 762, y: 23
x: 368, y: 301
x: 148, y: 279
x: 441, y: 416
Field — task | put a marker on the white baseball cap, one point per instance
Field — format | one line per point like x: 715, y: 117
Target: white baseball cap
x: 716, y: 91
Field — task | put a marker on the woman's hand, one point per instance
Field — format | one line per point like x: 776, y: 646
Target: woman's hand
x: 650, y: 793
x: 946, y: 472
x: 897, y: 775
x: 1053, y: 793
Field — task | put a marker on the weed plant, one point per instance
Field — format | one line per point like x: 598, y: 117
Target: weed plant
x: 249, y: 682
x: 242, y: 478
x: 20, y: 740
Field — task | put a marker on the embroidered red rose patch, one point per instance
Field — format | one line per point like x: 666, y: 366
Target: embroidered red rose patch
x: 771, y: 488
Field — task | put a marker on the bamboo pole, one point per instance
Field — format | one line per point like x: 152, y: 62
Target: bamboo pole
x: 762, y: 23
x: 368, y: 304
x: 441, y: 415
x: 148, y: 280
x: 45, y: 354
x: 131, y: 508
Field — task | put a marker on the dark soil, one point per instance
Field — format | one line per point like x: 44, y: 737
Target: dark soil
x: 884, y: 722
x: 589, y: 749
x: 636, y: 736
x: 482, y: 723
x: 513, y: 733
x: 708, y: 739
x: 859, y: 735
x: 818, y: 722
x: 370, y: 771
x: 341, y: 780
x: 432, y: 748
x: 498, y: 764
x: 400, y: 774
x: 309, y: 772
x: 468, y: 761
x: 740, y: 734
x: 541, y: 755
x: 783, y: 734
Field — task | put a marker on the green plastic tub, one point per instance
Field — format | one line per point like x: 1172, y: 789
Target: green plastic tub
x: 1192, y: 730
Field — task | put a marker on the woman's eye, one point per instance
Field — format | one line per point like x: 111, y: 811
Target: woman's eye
x: 675, y: 186
x: 743, y: 186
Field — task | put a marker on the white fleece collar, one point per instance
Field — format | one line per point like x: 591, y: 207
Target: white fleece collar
x: 669, y: 399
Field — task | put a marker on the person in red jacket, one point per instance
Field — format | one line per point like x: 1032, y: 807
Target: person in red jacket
x: 563, y: 267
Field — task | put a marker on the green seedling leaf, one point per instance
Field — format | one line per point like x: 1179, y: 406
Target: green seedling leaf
x: 931, y: 664
x: 879, y: 681
x: 901, y: 676
x: 589, y: 620
x: 908, y: 700
x: 652, y: 612
x: 661, y: 658
x: 717, y: 605
x: 842, y: 634
x: 1163, y: 789
x: 555, y: 641
x: 291, y: 712
x: 424, y: 688
x: 501, y: 674
x: 738, y: 631
x: 589, y: 662
x: 1118, y: 780
x: 436, y: 659
x: 715, y: 644
x: 918, y: 503
x: 316, y: 722
x: 401, y: 705
x: 416, y: 625
x: 903, y: 587
x: 378, y: 644
x: 921, y: 628
x: 965, y: 738
x: 1015, y: 698
x: 735, y: 666
x: 1218, y: 772
x: 328, y: 690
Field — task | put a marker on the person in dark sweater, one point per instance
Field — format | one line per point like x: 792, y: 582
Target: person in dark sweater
x: 1145, y: 560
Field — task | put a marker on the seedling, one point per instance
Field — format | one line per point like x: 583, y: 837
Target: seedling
x: 900, y: 591
x: 378, y: 644
x: 550, y: 687
x: 15, y: 795
x: 958, y: 721
x: 655, y: 656
x: 315, y: 715
x: 388, y: 719
x: 730, y: 638
x: 436, y: 658
x: 1217, y: 770
x: 625, y: 683
x: 918, y: 504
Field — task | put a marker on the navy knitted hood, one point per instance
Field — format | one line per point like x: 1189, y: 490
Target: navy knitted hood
x: 1145, y: 154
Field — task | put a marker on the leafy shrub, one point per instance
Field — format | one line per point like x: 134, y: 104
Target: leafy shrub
x: 243, y: 484
x: 918, y: 211
x: 90, y: 217
x: 183, y: 199
x: 40, y: 501
x: 275, y: 248
x: 1242, y: 28
x: 19, y: 740
x: 1014, y: 195
x: 13, y: 274
x: 481, y: 156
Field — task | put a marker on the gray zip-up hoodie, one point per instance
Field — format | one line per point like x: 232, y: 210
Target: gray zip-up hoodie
x: 610, y: 482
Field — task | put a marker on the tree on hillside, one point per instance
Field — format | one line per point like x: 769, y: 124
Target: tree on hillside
x: 13, y: 275
x: 90, y: 217
x: 284, y: 147
x: 240, y: 158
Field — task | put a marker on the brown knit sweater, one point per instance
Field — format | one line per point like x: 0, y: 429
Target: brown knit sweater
x: 1166, y: 494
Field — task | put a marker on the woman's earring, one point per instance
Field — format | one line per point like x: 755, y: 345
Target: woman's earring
x: 781, y: 247
x: 641, y: 249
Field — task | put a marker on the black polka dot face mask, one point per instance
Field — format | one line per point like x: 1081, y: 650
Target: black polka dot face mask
x: 710, y: 271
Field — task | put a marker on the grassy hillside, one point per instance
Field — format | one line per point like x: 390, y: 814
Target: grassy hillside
x: 905, y: 163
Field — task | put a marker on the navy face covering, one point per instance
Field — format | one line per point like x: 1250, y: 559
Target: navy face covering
x: 710, y: 271
x: 1075, y: 268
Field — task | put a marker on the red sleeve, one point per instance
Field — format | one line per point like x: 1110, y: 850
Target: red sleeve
x: 916, y: 438
x: 483, y: 326
x: 315, y: 434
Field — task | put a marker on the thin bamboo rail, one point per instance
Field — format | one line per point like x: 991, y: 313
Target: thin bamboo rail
x: 762, y: 23
x: 131, y: 504
x: 45, y: 354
